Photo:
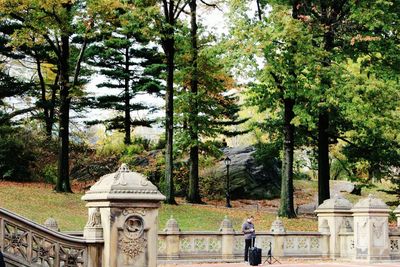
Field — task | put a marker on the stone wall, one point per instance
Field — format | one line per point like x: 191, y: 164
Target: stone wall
x: 122, y: 232
x: 227, y: 244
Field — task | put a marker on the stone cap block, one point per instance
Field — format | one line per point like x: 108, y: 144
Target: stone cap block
x: 335, y: 204
x: 370, y: 204
x: 123, y: 185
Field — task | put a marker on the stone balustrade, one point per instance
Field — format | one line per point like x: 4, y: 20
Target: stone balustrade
x: 228, y: 244
x: 122, y: 232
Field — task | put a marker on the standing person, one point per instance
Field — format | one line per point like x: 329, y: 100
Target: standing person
x: 249, y: 236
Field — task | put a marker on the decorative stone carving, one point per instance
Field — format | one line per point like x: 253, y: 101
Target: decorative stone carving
x: 171, y: 225
x: 346, y: 226
x: 132, y: 242
x: 130, y: 211
x: 94, y: 219
x: 52, y: 224
x: 128, y: 205
x: 123, y: 184
x: 132, y: 247
x: 371, y: 229
x: 277, y: 227
x: 226, y: 225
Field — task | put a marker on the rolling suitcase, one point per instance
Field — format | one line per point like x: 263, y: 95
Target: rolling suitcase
x: 254, y: 255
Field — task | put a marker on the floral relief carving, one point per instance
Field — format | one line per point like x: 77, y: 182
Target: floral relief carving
x: 130, y: 211
x: 132, y: 241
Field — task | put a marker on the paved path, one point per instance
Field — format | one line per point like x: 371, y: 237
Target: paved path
x: 289, y: 264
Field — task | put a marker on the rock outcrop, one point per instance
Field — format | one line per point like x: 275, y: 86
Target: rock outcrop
x: 249, y: 178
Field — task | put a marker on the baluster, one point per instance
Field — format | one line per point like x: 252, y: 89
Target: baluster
x: 2, y: 234
x: 57, y: 254
x: 29, y: 248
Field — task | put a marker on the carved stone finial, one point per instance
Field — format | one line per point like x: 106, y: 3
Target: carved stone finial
x: 277, y: 226
x: 226, y: 225
x: 172, y: 225
x: 52, y: 224
x: 94, y: 219
x: 93, y: 229
x: 123, y: 168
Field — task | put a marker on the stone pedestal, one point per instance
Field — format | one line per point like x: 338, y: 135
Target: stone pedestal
x: 172, y: 239
x: 228, y: 238
x: 278, y: 230
x: 333, y: 213
x: 371, y: 230
x: 397, y: 213
x: 126, y: 204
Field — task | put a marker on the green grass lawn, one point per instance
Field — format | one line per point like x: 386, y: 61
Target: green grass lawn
x: 38, y: 203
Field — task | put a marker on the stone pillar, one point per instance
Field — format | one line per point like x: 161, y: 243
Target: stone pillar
x: 278, y: 230
x: 228, y: 238
x: 334, y: 212
x: 371, y: 230
x: 128, y: 205
x: 325, y: 231
x: 93, y: 233
x: 397, y: 213
x: 172, y: 239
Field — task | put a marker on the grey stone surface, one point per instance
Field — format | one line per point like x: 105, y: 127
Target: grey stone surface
x: 249, y: 179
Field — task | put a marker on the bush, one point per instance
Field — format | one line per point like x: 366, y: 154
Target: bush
x: 111, y: 145
x: 49, y: 174
x: 15, y: 155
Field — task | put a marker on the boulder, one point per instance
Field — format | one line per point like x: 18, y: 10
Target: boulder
x: 249, y: 178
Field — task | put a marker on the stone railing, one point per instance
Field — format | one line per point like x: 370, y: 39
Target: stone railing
x: 122, y: 231
x: 394, y: 238
x: 25, y: 243
x: 227, y: 244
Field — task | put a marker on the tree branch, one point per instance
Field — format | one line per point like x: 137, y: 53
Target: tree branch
x: 11, y: 115
x: 213, y: 5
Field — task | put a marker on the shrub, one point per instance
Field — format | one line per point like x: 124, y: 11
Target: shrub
x: 49, y: 173
x: 15, y: 155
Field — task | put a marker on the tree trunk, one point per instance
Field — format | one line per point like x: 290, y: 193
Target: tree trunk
x: 323, y: 118
x: 323, y: 157
x: 286, y: 206
x: 127, y: 118
x: 63, y: 184
x: 169, y: 123
x: 44, y: 101
x: 194, y: 192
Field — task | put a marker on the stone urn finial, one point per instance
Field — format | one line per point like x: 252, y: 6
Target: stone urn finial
x: 172, y: 225
x: 226, y: 225
x: 277, y: 226
x: 52, y: 224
